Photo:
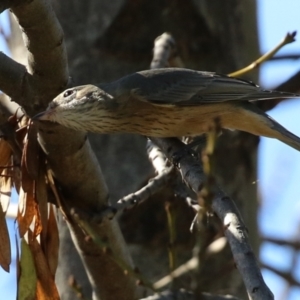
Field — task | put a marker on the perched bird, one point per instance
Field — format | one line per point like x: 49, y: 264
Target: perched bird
x: 167, y: 103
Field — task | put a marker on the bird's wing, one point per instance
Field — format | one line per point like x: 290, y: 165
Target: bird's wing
x: 185, y: 87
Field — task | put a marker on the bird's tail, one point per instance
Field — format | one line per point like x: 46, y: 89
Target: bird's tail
x: 259, y: 123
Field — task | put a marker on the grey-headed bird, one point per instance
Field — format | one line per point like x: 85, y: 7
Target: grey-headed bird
x: 168, y: 103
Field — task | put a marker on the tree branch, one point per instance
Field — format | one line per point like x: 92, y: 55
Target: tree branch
x: 292, y: 85
x: 47, y: 59
x: 295, y: 244
x: 185, y: 295
x: 289, y: 38
x: 44, y: 40
x: 234, y: 228
x: 73, y: 163
x: 285, y: 275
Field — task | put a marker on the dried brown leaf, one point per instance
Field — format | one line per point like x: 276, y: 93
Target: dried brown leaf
x: 5, y: 251
x: 16, y: 175
x: 26, y: 211
x: 42, y: 200
x: 31, y: 152
x: 37, y: 224
x: 26, y: 180
x: 52, y: 241
x: 5, y: 153
x: 20, y: 135
x: 5, y: 189
x: 46, y: 288
x: 5, y: 179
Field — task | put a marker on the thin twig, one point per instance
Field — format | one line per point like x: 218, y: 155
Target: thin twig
x: 292, y: 85
x: 186, y: 295
x: 285, y: 57
x: 190, y: 266
x: 295, y: 244
x: 172, y: 236
x: 285, y: 275
x: 289, y: 38
x: 153, y: 186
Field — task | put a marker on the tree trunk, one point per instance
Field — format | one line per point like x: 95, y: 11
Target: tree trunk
x: 108, y: 39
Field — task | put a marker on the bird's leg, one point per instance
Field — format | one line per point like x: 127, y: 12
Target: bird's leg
x: 199, y: 141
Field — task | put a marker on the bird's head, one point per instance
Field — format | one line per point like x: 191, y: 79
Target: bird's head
x: 72, y: 107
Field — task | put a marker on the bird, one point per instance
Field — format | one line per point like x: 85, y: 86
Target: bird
x: 168, y: 102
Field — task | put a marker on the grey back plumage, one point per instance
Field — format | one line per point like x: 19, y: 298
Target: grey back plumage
x: 184, y: 87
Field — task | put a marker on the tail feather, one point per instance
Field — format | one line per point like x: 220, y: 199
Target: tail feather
x: 286, y: 136
x: 257, y: 122
x: 269, y: 95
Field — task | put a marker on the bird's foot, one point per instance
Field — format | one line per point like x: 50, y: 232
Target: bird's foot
x: 188, y: 149
x: 180, y: 154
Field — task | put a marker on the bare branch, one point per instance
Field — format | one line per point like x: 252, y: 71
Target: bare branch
x: 289, y: 38
x: 13, y: 78
x: 164, y: 45
x: 186, y: 295
x: 153, y: 186
x: 295, y: 244
x: 292, y: 85
x: 285, y: 275
x: 44, y: 39
x: 285, y: 57
x: 8, y: 107
x: 157, y: 157
x: 47, y: 59
x: 234, y: 228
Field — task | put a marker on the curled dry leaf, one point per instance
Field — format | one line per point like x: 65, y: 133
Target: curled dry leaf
x: 14, y: 135
x: 26, y: 211
x: 26, y: 180
x: 5, y: 153
x: 31, y: 152
x: 42, y: 200
x: 5, y: 179
x: 20, y: 135
x: 37, y: 229
x: 5, y: 251
x: 5, y: 189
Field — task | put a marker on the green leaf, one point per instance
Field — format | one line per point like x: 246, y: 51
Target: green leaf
x: 28, y: 279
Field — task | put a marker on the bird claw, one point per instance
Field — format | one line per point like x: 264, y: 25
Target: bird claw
x: 188, y: 149
x: 180, y: 154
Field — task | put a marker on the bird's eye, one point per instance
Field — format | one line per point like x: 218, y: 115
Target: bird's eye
x: 68, y: 93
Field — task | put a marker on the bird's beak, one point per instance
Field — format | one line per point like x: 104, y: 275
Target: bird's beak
x: 43, y: 116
